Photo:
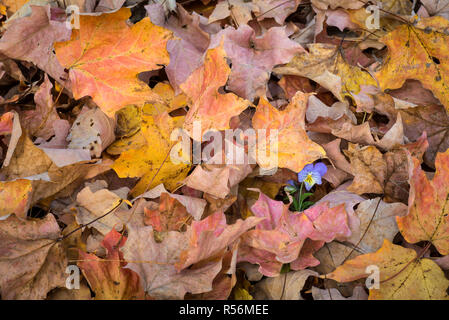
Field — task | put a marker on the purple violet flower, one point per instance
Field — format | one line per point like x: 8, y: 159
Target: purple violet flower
x: 311, y: 174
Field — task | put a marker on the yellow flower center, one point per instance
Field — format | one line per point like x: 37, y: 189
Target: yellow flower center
x: 309, y: 179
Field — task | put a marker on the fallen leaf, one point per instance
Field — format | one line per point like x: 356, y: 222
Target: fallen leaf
x: 32, y: 262
x: 402, y: 273
x: 152, y: 161
x: 31, y: 39
x: 108, y: 278
x: 95, y: 56
x: 413, y: 49
x: 208, y: 106
x: 289, y: 128
x: 426, y: 219
x: 253, y: 57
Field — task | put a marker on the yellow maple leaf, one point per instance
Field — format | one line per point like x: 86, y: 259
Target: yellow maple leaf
x: 151, y: 162
x: 402, y: 275
x: 418, y: 52
x: 325, y: 65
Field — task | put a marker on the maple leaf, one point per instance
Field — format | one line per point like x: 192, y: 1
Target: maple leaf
x: 170, y: 216
x: 154, y: 263
x: 253, y: 57
x: 31, y: 39
x: 402, y: 273
x: 294, y: 148
x: 15, y: 197
x: 207, y: 104
x: 186, y: 53
x: 433, y: 120
x: 105, y: 56
x: 31, y: 261
x: 418, y: 52
x: 427, y: 218
x: 325, y: 65
x: 238, y: 10
x: 386, y: 173
x: 280, y: 237
x: 210, y: 236
x: 153, y: 156
x: 108, y: 278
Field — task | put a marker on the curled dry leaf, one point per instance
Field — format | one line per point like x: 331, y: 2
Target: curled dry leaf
x: 92, y: 131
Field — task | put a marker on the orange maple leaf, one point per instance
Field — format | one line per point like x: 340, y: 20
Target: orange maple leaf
x: 295, y: 149
x: 105, y: 56
x: 207, y: 104
x: 428, y: 213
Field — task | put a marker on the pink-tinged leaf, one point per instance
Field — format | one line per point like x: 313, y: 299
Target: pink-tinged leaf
x: 31, y: 39
x: 6, y: 123
x: 282, y: 240
x: 253, y: 57
x: 107, y: 278
x: 211, y: 236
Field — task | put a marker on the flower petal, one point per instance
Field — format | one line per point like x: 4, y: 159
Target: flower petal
x: 308, y: 186
x: 316, y: 177
x: 321, y: 168
x: 304, y: 172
